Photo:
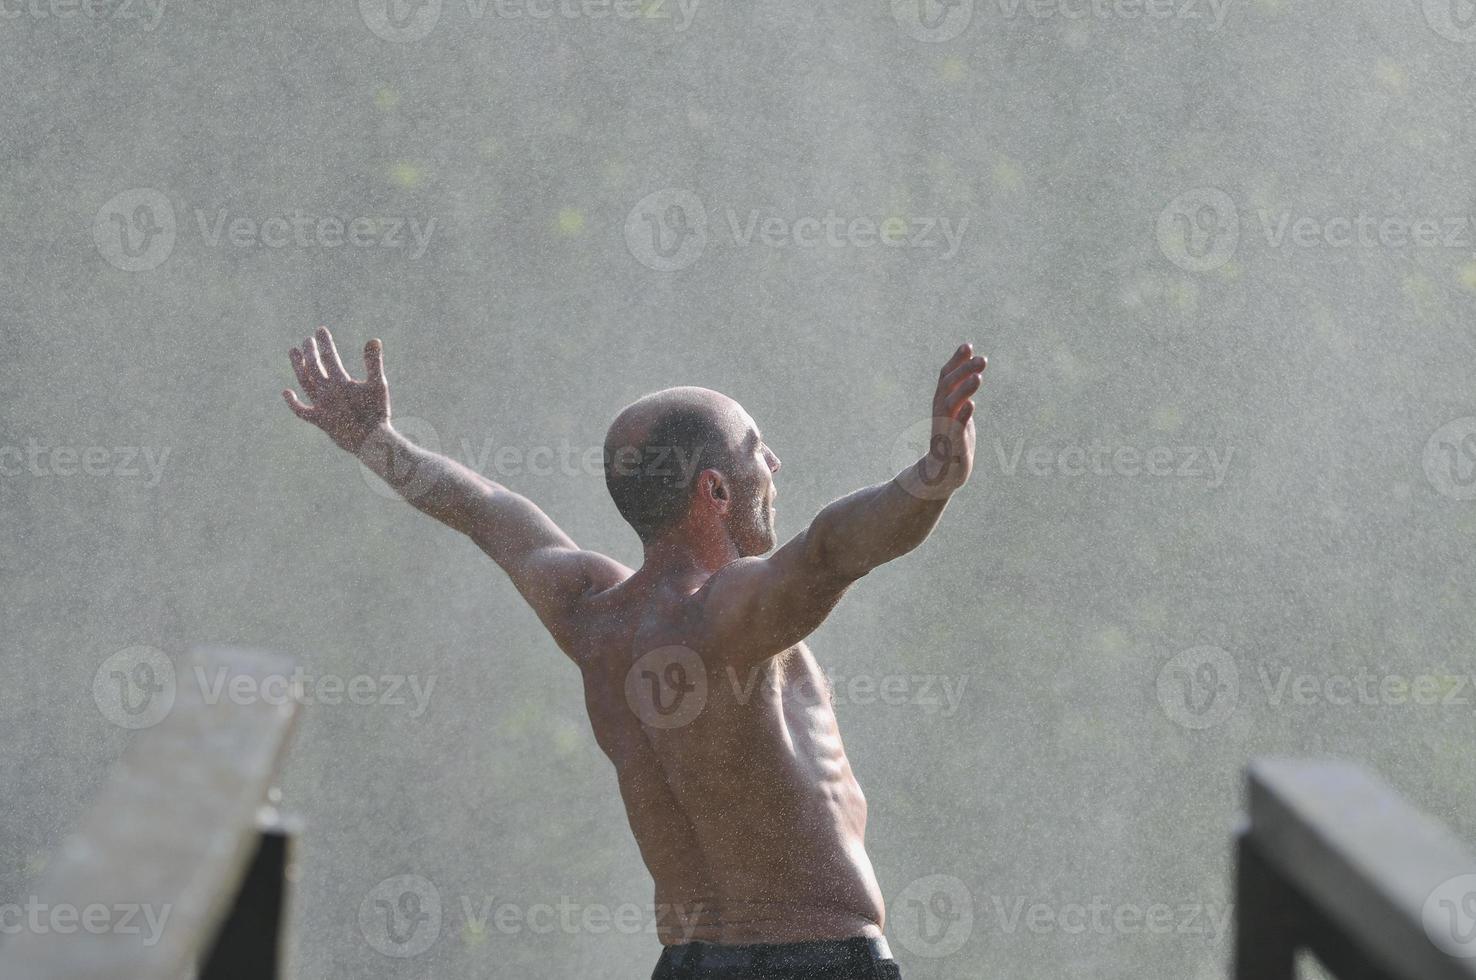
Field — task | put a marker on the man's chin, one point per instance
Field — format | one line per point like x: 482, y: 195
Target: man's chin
x: 760, y: 544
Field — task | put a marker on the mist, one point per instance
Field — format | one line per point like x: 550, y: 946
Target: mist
x: 1219, y: 254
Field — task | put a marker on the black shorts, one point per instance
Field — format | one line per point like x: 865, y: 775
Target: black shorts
x: 838, y: 959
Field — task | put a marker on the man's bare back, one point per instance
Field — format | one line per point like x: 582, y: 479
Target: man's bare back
x: 698, y: 683
x: 746, y: 812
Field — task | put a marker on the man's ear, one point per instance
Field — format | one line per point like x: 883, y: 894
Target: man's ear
x: 715, y: 487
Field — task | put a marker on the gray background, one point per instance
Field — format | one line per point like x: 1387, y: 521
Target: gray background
x: 1078, y: 765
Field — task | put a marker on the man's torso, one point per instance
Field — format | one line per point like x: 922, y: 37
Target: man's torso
x: 735, y: 782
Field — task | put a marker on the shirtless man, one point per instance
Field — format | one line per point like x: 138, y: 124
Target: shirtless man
x: 697, y: 679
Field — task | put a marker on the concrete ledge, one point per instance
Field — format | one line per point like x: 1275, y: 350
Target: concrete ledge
x: 169, y: 836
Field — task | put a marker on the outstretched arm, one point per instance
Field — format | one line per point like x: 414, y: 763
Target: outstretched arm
x: 545, y: 565
x: 761, y: 606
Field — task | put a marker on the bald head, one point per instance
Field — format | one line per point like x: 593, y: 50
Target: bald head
x: 658, y: 445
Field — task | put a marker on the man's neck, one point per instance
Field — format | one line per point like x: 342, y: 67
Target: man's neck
x: 681, y: 556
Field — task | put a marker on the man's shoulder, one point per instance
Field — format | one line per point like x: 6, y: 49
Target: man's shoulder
x: 734, y: 577
x: 618, y: 621
x: 600, y: 574
x: 591, y: 589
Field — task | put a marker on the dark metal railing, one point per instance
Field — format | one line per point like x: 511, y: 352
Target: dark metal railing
x: 1333, y: 861
x: 1330, y: 860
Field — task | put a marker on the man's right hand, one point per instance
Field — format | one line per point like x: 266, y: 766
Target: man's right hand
x: 950, y: 456
x: 757, y: 607
x: 349, y: 411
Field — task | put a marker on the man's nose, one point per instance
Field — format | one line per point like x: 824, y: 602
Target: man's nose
x: 774, y: 463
